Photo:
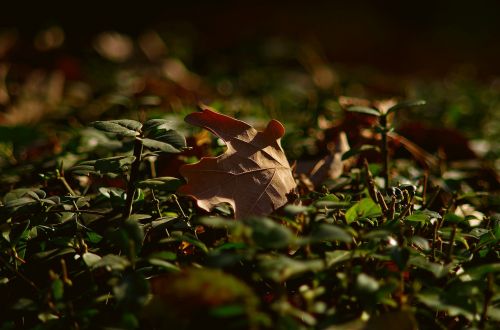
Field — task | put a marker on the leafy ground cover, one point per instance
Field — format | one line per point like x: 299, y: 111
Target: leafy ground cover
x: 313, y: 210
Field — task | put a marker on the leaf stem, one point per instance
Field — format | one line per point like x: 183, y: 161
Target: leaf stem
x: 385, y: 153
x: 60, y: 177
x: 488, y: 295
x: 449, y: 256
x: 18, y: 273
x: 134, y: 175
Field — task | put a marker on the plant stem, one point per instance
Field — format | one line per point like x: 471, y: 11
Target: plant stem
x: 449, y: 256
x: 18, y: 273
x: 134, y: 174
x: 385, y: 152
x: 488, y: 295
x: 60, y: 177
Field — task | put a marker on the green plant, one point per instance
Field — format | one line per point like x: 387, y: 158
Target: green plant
x: 383, y: 128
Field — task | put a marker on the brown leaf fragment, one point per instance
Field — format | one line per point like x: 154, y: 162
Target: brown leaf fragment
x: 253, y: 175
x: 332, y: 166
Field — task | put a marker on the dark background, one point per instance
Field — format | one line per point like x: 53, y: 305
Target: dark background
x: 403, y: 37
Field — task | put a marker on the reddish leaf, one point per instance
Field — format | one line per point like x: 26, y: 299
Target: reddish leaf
x: 253, y: 175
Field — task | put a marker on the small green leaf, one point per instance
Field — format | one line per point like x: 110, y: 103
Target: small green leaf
x: 168, y: 136
x: 406, y: 104
x: 269, y: 234
x: 326, y: 232
x: 480, y: 271
x: 94, y: 237
x: 438, y: 270
x: 18, y: 231
x: 365, y: 208
x: 90, y: 259
x: 453, y: 218
x: 292, y: 209
x: 21, y: 192
x: 366, y: 283
x: 338, y: 256
x: 419, y: 216
x: 57, y: 289
x: 165, y: 183
x: 155, y: 124
x: 356, y: 151
x: 124, y: 127
x: 163, y: 264
x: 158, y: 145
x: 228, y: 311
x: 112, y: 262
x: 280, y: 268
x: 364, y: 110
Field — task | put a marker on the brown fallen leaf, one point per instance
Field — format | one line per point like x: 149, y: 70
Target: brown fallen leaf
x: 332, y: 166
x: 253, y: 175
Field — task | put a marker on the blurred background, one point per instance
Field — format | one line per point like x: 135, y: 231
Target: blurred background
x: 425, y: 37
x: 71, y: 63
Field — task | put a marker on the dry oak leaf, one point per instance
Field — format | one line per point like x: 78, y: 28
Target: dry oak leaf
x: 253, y: 175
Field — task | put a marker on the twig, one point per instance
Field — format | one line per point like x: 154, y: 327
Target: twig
x: 157, y: 203
x: 488, y: 295
x: 452, y: 240
x: 18, y: 273
x: 60, y: 177
x: 134, y: 174
x: 385, y: 152
x: 78, y: 211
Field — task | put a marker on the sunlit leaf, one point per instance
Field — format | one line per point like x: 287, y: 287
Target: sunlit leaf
x: 365, y: 208
x: 124, y: 127
x: 364, y: 110
x: 406, y: 104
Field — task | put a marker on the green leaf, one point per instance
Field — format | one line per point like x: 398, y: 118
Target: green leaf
x: 326, y: 232
x: 165, y: 255
x: 57, y: 289
x: 419, y: 216
x: 165, y: 183
x: 155, y: 124
x: 112, y: 262
x: 94, y: 237
x: 18, y: 231
x: 132, y: 291
x: 124, y: 127
x: 90, y: 259
x: 269, y: 234
x: 163, y: 264
x: 22, y: 192
x: 406, y: 104
x: 480, y: 271
x: 292, y: 209
x: 438, y: 270
x: 364, y: 110
x: 365, y: 208
x: 453, y: 218
x: 180, y: 237
x: 337, y: 256
x: 400, y: 257
x: 16, y: 203
x: 218, y: 222
x: 494, y: 313
x: 435, y: 301
x: 366, y: 283
x: 168, y: 136
x: 356, y: 151
x: 115, y: 164
x: 421, y: 242
x: 228, y: 311
x: 158, y: 145
x: 396, y: 320
x: 280, y: 268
